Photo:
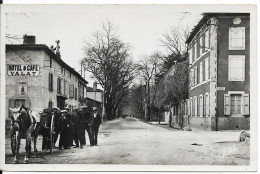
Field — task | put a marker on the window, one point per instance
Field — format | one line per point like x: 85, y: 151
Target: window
x: 236, y: 68
x: 50, y: 82
x: 206, y: 69
x: 195, y: 76
x: 76, y: 93
x: 206, y: 104
x: 236, y: 38
x: 59, y: 85
x: 190, y: 56
x: 191, y: 78
x: 71, y: 91
x: 207, y: 40
x: 201, y: 106
x: 202, y: 42
x: 236, y: 103
x: 201, y: 73
x: 195, y: 51
x: 195, y: 107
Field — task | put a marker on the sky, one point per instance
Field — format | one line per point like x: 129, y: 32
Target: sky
x: 141, y: 26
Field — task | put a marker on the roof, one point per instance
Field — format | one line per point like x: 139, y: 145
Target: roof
x: 89, y: 89
x: 96, y: 101
x: 49, y: 52
x: 205, y: 18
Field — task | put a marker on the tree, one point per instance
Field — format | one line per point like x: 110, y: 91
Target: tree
x: 108, y: 59
x: 148, y: 67
x: 136, y: 99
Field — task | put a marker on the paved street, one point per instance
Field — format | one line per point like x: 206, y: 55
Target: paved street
x: 130, y: 141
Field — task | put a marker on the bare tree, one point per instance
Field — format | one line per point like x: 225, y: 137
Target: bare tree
x: 149, y: 66
x: 175, y: 39
x: 108, y: 59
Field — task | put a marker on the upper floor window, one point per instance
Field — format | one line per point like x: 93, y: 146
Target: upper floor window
x: 50, y: 82
x: 207, y: 47
x: 236, y: 68
x: 195, y: 51
x: 76, y: 94
x: 191, y: 78
x: 195, y: 76
x: 59, y: 85
x: 206, y: 69
x: 202, y: 46
x: 190, y: 56
x: 71, y: 91
x: 236, y: 38
x: 201, y: 72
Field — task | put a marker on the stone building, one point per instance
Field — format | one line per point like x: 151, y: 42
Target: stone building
x: 38, y: 77
x: 219, y: 48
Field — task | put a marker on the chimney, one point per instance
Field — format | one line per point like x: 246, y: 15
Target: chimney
x: 28, y: 40
x: 58, y: 48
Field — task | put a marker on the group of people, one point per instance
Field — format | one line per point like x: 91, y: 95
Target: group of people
x: 71, y: 126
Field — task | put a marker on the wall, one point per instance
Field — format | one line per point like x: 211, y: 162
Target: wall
x: 223, y: 53
x: 35, y: 90
x: 92, y: 96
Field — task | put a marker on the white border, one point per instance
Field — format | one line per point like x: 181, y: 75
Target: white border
x: 70, y: 167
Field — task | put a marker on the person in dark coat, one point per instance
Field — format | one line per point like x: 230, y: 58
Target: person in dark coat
x: 66, y: 132
x: 97, y: 122
x: 89, y: 121
x: 79, y: 128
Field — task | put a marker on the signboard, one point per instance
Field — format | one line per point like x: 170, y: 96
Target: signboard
x: 221, y: 88
x: 22, y: 88
x: 23, y: 70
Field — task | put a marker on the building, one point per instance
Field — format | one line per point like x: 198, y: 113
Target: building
x: 219, y: 48
x: 94, y: 97
x: 38, y: 77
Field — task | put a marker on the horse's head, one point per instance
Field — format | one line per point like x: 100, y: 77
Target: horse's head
x: 15, y: 117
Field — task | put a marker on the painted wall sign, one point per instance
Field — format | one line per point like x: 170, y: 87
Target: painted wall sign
x: 221, y: 88
x: 23, y: 70
x: 22, y: 88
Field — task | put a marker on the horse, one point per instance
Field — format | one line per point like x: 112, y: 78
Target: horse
x: 23, y: 124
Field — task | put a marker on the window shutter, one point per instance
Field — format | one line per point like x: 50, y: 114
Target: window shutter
x: 226, y: 104
x: 207, y: 105
x: 246, y: 104
x: 196, y: 107
x: 49, y: 81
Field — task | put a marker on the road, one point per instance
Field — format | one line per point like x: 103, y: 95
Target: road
x: 131, y: 141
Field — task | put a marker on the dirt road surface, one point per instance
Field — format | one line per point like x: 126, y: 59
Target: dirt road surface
x: 131, y: 141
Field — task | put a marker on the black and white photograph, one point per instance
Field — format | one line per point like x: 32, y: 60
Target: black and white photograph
x: 128, y: 87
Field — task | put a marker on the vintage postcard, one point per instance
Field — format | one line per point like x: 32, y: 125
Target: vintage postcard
x: 121, y: 87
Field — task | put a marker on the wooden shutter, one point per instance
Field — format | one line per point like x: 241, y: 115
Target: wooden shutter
x: 49, y: 81
x: 246, y: 104
x: 76, y: 93
x: 226, y: 104
x: 71, y: 90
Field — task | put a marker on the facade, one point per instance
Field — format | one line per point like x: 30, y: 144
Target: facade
x: 219, y: 48
x: 40, y: 79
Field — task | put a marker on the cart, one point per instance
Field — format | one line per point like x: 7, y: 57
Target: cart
x: 48, y: 129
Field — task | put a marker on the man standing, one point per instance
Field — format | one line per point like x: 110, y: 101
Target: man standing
x: 97, y: 122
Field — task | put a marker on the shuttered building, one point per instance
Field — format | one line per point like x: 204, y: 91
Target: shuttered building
x: 219, y: 90
x: 38, y: 77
